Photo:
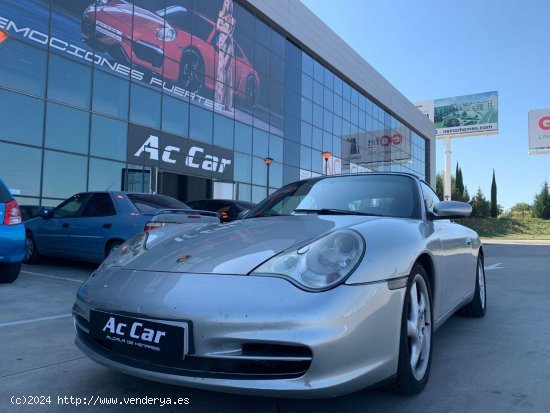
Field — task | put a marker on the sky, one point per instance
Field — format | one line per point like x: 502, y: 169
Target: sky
x: 431, y: 49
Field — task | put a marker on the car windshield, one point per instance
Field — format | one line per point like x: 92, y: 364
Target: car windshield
x: 377, y: 195
x: 148, y: 202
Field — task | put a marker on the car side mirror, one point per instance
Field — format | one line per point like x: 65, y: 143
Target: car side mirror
x: 243, y: 213
x: 451, y: 210
x: 45, y: 213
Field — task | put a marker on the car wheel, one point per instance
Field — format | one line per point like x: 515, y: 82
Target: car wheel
x: 9, y: 272
x: 113, y: 245
x: 478, y: 305
x: 415, y: 346
x: 31, y: 250
x: 191, y: 76
x: 251, y: 91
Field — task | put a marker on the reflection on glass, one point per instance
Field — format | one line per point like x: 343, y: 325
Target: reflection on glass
x: 109, y: 138
x: 145, y: 106
x: 70, y: 170
x: 21, y: 118
x: 105, y: 175
x: 69, y: 82
x: 20, y: 168
x: 23, y: 67
x: 67, y: 129
x: 110, y: 95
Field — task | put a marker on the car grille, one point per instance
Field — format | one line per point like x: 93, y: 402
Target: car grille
x: 256, y: 361
x: 148, y: 52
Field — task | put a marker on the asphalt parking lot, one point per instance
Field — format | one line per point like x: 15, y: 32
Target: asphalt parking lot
x: 500, y: 363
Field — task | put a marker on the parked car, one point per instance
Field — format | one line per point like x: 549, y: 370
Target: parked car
x: 163, y: 42
x: 12, y: 236
x: 89, y: 225
x: 328, y: 286
x: 31, y: 211
x: 227, y: 209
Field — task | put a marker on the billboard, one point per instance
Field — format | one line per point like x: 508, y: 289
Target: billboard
x: 459, y: 116
x: 539, y: 131
x: 197, y: 51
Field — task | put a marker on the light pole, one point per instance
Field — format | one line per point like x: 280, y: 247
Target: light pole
x: 268, y: 161
x: 326, y: 156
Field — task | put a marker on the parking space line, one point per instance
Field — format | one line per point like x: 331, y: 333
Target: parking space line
x: 53, y: 276
x: 34, y: 320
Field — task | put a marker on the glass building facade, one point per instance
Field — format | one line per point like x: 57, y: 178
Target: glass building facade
x: 123, y: 95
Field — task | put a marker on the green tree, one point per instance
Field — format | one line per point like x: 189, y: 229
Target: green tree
x: 521, y: 208
x: 541, y: 206
x: 494, y: 204
x: 440, y: 185
x: 481, y: 208
x: 459, y: 184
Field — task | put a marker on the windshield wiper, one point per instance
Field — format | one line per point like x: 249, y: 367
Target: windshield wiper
x: 331, y: 211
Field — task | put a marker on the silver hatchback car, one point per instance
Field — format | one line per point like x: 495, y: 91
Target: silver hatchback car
x: 328, y: 286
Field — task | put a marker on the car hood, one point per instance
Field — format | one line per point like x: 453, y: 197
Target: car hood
x: 238, y: 247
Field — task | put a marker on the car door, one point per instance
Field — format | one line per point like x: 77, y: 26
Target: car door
x: 95, y: 225
x: 455, y: 259
x: 52, y: 233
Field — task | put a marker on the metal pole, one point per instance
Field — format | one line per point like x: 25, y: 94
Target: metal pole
x: 267, y: 179
x: 448, y: 152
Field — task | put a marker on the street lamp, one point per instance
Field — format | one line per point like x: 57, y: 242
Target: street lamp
x: 326, y: 155
x: 268, y: 161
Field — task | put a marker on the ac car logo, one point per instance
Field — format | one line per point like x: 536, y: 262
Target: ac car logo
x: 167, y: 155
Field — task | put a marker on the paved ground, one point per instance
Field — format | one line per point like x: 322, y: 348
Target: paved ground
x: 500, y: 363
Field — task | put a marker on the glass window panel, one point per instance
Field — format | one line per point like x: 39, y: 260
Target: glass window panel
x: 105, y: 175
x: 263, y: 33
x: 108, y: 138
x: 258, y: 193
x: 69, y: 81
x: 317, y: 161
x: 307, y: 110
x: 293, y: 78
x: 175, y: 115
x: 307, y: 86
x: 291, y: 153
x: 20, y: 168
x: 67, y: 129
x: 277, y: 68
x: 318, y: 71
x: 243, y: 138
x: 305, y: 158
x: 276, y: 175
x: 110, y: 95
x: 336, y: 146
x: 260, y: 147
x: 327, y: 142
x: 223, y: 131
x: 328, y: 99
x: 337, y: 126
x: 338, y: 105
x: 71, y: 170
x: 290, y: 174
x: 329, y: 79
x: 317, y: 115
x: 307, y: 64
x: 243, y: 168
x: 293, y: 55
x: 23, y: 67
x: 338, y: 85
x: 145, y: 106
x: 276, y: 147
x: 317, y: 142
x: 305, y: 136
x: 278, y: 43
x: 200, y: 125
x: 21, y: 118
x: 244, y: 192
x: 318, y: 91
x: 259, y: 172
x: 292, y: 128
x: 292, y: 102
x: 327, y: 121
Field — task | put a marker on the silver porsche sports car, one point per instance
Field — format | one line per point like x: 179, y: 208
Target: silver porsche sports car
x: 328, y: 286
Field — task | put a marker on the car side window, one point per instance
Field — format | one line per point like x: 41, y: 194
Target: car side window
x: 430, y: 197
x: 70, y: 208
x: 99, y: 205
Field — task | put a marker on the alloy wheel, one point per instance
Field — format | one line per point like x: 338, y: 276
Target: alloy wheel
x: 419, y: 328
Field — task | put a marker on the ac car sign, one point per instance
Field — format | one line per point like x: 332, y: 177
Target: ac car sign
x: 173, y: 153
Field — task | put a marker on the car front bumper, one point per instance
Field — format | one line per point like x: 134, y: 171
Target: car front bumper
x: 304, y: 344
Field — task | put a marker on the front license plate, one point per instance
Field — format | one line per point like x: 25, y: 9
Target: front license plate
x: 140, y: 336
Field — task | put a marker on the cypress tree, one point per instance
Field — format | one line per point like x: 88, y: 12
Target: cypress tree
x: 494, y: 205
x: 459, y: 183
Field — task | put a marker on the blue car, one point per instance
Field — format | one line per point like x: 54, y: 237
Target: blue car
x: 89, y: 225
x: 12, y: 236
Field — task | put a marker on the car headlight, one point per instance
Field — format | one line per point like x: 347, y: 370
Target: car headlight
x: 167, y: 34
x: 131, y: 249
x: 319, y: 265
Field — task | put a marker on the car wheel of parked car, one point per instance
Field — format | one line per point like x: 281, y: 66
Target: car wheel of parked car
x: 415, y: 349
x: 191, y: 76
x: 31, y: 251
x: 478, y: 305
x: 251, y: 91
x: 111, y: 246
x: 9, y: 272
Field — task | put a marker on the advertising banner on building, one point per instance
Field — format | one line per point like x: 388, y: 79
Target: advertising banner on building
x: 149, y: 147
x: 466, y: 115
x: 200, y: 52
x: 379, y: 147
x: 539, y: 131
